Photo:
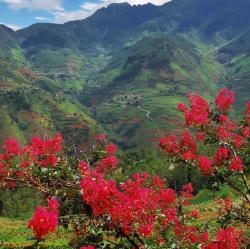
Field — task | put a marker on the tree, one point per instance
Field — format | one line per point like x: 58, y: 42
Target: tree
x: 137, y: 212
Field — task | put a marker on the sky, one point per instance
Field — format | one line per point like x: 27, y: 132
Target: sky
x: 18, y: 14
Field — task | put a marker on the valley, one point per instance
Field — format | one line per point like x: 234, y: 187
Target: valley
x: 121, y: 71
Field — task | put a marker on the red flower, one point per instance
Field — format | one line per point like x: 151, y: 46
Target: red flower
x: 246, y: 132
x: 163, y: 142
x: 199, y: 137
x: 11, y: 184
x: 11, y: 147
x: 223, y: 134
x: 187, y: 190
x: 229, y: 238
x: 204, y: 236
x: 182, y: 108
x: 109, y: 162
x: 195, y: 213
x: 224, y: 100
x: 170, y: 145
x: 43, y: 222
x: 87, y: 247
x: 247, y: 113
x: 100, y: 137
x: 228, y: 204
x: 198, y: 114
x: 236, y: 164
x: 111, y: 149
x: 52, y: 203
x: 45, y: 219
x: 221, y: 154
x: 238, y: 140
x: 205, y: 165
x: 223, y: 118
x: 83, y: 168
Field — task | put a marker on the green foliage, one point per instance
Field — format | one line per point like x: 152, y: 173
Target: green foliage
x: 208, y: 195
x: 154, y: 163
x: 2, y: 119
x: 49, y: 85
x: 150, y: 52
x: 142, y: 160
x: 181, y: 174
x: 23, y: 125
x: 18, y: 203
x: 16, y: 100
x: 47, y: 59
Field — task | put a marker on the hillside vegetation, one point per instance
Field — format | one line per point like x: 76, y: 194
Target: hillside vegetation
x: 124, y: 68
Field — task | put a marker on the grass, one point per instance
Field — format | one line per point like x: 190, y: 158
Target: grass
x: 206, y: 196
x: 11, y: 130
x: 18, y: 56
x: 178, y: 68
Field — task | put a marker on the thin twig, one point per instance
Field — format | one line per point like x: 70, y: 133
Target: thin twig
x: 236, y: 188
x: 245, y: 182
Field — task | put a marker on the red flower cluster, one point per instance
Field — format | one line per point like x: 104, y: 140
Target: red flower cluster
x: 43, y: 153
x: 87, y: 247
x: 133, y: 206
x: 38, y: 153
x: 224, y: 100
x: 111, y: 149
x: 198, y: 114
x: 205, y: 165
x: 186, y: 147
x: 100, y: 137
x: 187, y: 190
x: 228, y: 238
x: 247, y: 113
x: 45, y: 219
x: 211, y: 126
x: 236, y: 164
x: 11, y: 148
x: 238, y: 140
x: 221, y: 155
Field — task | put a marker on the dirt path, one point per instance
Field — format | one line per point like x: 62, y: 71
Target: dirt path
x: 148, y: 112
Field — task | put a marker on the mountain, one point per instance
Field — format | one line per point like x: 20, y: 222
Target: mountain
x: 31, y: 102
x: 125, y: 67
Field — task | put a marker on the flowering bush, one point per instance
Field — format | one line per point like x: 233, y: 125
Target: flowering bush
x: 213, y: 126
x: 138, y: 211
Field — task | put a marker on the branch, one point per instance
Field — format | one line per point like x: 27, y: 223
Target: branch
x: 112, y: 242
x: 132, y: 242
x: 246, y: 184
x: 138, y: 237
x: 236, y: 188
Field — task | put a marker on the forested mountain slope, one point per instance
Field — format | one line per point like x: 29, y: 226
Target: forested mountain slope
x: 125, y: 67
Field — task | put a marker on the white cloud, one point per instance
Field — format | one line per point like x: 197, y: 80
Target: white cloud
x: 89, y: 8
x: 12, y: 26
x: 47, y: 5
x: 61, y: 15
x: 40, y: 18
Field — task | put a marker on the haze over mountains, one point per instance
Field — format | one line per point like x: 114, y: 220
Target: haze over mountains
x: 125, y: 68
